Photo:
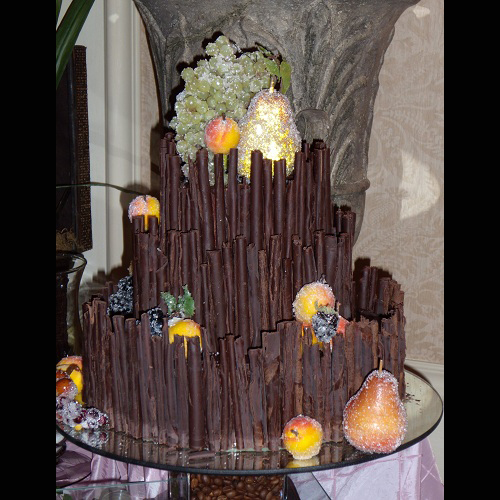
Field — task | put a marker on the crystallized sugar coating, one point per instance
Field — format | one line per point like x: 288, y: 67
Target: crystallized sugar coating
x: 302, y: 437
x: 268, y: 127
x: 144, y: 205
x: 375, y: 417
x: 309, y: 298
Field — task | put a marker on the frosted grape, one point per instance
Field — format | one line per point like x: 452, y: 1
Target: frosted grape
x: 224, y: 82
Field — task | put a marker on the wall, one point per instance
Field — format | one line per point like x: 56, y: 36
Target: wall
x: 402, y: 230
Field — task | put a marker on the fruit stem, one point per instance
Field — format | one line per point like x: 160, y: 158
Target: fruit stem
x: 380, y: 364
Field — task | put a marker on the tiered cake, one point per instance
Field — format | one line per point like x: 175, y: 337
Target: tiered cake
x: 244, y: 248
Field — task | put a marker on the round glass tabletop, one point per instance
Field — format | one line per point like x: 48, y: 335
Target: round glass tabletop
x: 423, y: 405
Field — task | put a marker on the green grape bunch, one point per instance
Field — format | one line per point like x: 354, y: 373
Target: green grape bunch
x: 223, y: 83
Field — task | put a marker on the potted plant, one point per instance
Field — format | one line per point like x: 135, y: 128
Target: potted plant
x: 68, y: 30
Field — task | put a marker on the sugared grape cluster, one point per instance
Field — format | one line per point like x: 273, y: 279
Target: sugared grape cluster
x: 225, y: 82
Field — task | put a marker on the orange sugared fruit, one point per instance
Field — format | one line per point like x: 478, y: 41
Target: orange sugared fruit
x: 302, y: 437
x: 310, y: 298
x: 185, y: 328
x: 221, y: 134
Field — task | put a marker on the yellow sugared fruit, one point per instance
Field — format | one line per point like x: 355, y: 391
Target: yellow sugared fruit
x: 184, y: 328
x: 309, y: 299
x: 222, y: 134
x: 146, y: 205
x: 302, y: 437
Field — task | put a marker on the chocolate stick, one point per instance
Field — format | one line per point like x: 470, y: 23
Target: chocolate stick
x: 171, y: 391
x: 213, y: 404
x: 279, y: 196
x: 265, y: 323
x: 225, y: 378
x: 242, y: 384
x: 242, y: 303
x: 235, y: 395
x: 244, y: 210
x: 182, y: 393
x: 271, y: 344
x: 256, y: 187
x: 205, y: 201
x: 287, y: 295
x: 256, y: 395
x: 220, y: 208
x: 267, y: 211
x: 339, y: 383
x: 275, y: 285
x: 135, y: 417
x: 309, y: 265
x: 253, y: 292
x: 232, y: 193
x: 298, y: 279
x: 216, y: 283
x: 228, y: 266
x: 196, y: 399
x: 174, y: 176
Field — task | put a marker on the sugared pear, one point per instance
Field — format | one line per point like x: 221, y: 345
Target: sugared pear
x: 375, y: 417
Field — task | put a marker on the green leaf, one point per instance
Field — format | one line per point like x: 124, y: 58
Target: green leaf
x: 272, y: 67
x: 58, y: 9
x: 170, y: 301
x: 286, y: 76
x: 68, y: 31
x: 186, y: 303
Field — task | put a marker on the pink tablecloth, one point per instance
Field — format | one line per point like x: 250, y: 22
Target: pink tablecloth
x: 408, y: 475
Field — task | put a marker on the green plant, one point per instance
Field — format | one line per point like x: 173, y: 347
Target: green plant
x: 68, y: 30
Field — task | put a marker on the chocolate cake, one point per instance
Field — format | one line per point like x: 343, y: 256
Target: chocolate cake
x: 243, y: 248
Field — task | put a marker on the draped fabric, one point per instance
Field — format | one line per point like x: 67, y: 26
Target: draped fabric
x: 411, y: 474
x: 408, y: 475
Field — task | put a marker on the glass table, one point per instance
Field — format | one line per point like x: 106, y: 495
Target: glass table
x: 423, y: 405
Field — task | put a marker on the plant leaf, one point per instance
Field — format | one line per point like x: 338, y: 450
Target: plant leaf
x: 186, y: 303
x: 68, y: 31
x: 58, y: 9
x: 170, y: 301
x: 286, y: 76
x: 272, y: 67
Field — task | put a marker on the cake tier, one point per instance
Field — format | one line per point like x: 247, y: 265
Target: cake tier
x: 244, y: 249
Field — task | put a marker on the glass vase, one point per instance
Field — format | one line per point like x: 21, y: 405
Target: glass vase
x: 69, y: 271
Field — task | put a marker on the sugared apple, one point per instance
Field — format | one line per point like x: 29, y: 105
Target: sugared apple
x: 302, y: 437
x: 375, y: 417
x: 221, y: 134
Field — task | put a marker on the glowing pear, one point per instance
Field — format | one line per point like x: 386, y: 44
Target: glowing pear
x: 268, y: 126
